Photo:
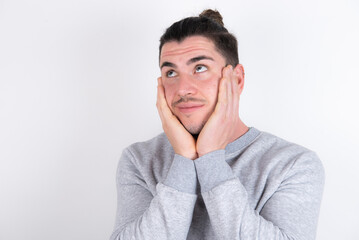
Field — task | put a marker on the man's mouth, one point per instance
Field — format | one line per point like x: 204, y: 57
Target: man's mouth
x: 189, y: 107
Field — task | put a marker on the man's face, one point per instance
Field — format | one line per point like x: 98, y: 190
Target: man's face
x: 190, y: 73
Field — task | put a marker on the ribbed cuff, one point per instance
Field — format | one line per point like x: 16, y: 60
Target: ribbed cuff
x: 212, y: 170
x: 182, y: 175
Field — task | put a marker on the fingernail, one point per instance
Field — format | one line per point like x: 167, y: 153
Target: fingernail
x: 229, y: 70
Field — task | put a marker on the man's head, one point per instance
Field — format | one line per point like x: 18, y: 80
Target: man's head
x: 193, y: 53
x: 208, y: 24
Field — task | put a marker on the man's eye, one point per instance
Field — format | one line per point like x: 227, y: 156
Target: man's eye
x: 200, y: 68
x: 171, y: 73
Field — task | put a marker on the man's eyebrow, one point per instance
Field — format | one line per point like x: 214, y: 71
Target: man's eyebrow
x: 199, y: 58
x: 168, y: 64
x: 192, y: 60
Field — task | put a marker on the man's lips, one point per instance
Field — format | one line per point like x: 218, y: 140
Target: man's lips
x: 189, y: 107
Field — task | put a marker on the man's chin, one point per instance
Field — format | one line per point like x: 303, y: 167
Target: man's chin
x: 194, y: 129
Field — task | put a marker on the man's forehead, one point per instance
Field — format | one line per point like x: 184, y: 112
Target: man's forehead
x: 196, y: 45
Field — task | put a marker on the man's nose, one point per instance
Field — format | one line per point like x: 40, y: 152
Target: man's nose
x: 186, y: 85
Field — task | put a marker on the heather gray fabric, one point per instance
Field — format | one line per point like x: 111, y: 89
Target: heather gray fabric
x: 259, y: 187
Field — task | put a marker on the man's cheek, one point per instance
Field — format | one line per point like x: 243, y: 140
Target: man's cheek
x: 212, y: 88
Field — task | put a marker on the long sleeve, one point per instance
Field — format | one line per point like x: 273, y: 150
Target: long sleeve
x: 168, y: 214
x: 291, y: 212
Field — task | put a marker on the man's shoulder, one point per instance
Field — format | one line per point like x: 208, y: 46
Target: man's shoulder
x: 146, y: 162
x: 157, y: 145
x: 283, y: 151
x: 269, y: 141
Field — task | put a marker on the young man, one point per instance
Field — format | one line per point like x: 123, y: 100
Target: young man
x: 209, y: 176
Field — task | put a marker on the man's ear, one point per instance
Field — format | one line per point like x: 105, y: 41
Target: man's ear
x: 239, y: 73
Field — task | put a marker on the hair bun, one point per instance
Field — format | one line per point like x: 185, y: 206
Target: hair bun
x: 214, y: 15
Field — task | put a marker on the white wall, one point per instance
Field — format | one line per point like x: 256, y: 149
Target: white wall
x: 78, y: 84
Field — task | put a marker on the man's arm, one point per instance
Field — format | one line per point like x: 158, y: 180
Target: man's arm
x: 290, y: 213
x: 168, y: 215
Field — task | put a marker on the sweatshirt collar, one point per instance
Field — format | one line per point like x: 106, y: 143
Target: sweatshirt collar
x: 243, y: 141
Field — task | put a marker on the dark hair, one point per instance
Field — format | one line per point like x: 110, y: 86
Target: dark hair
x: 208, y: 24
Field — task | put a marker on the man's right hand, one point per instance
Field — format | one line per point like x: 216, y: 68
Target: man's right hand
x: 181, y: 140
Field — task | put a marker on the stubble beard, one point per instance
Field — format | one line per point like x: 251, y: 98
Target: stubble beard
x: 195, y: 129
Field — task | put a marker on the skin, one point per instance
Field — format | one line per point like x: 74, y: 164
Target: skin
x: 198, y: 97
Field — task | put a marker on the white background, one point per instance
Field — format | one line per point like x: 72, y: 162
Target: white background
x: 78, y: 84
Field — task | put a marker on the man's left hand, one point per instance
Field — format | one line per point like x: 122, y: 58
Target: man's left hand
x: 220, y: 127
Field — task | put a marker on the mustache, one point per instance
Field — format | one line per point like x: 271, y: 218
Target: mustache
x: 187, y: 99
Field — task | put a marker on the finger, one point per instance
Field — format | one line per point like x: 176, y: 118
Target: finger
x: 162, y: 106
x: 222, y: 92
x: 160, y: 93
x: 229, y: 106
x: 160, y: 96
x: 166, y: 115
x: 229, y: 83
x: 234, y: 81
x: 235, y: 87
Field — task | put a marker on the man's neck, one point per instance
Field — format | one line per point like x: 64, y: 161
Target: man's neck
x: 239, y: 130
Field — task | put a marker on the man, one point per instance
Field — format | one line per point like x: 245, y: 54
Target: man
x: 209, y: 176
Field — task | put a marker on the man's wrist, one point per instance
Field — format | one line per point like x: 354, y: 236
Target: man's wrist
x: 189, y: 155
x: 212, y: 170
x: 207, y: 151
x: 182, y: 175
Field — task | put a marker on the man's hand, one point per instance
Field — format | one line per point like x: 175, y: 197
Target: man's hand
x: 181, y: 140
x: 220, y: 127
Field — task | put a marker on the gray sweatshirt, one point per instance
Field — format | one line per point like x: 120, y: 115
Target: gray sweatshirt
x: 259, y: 187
